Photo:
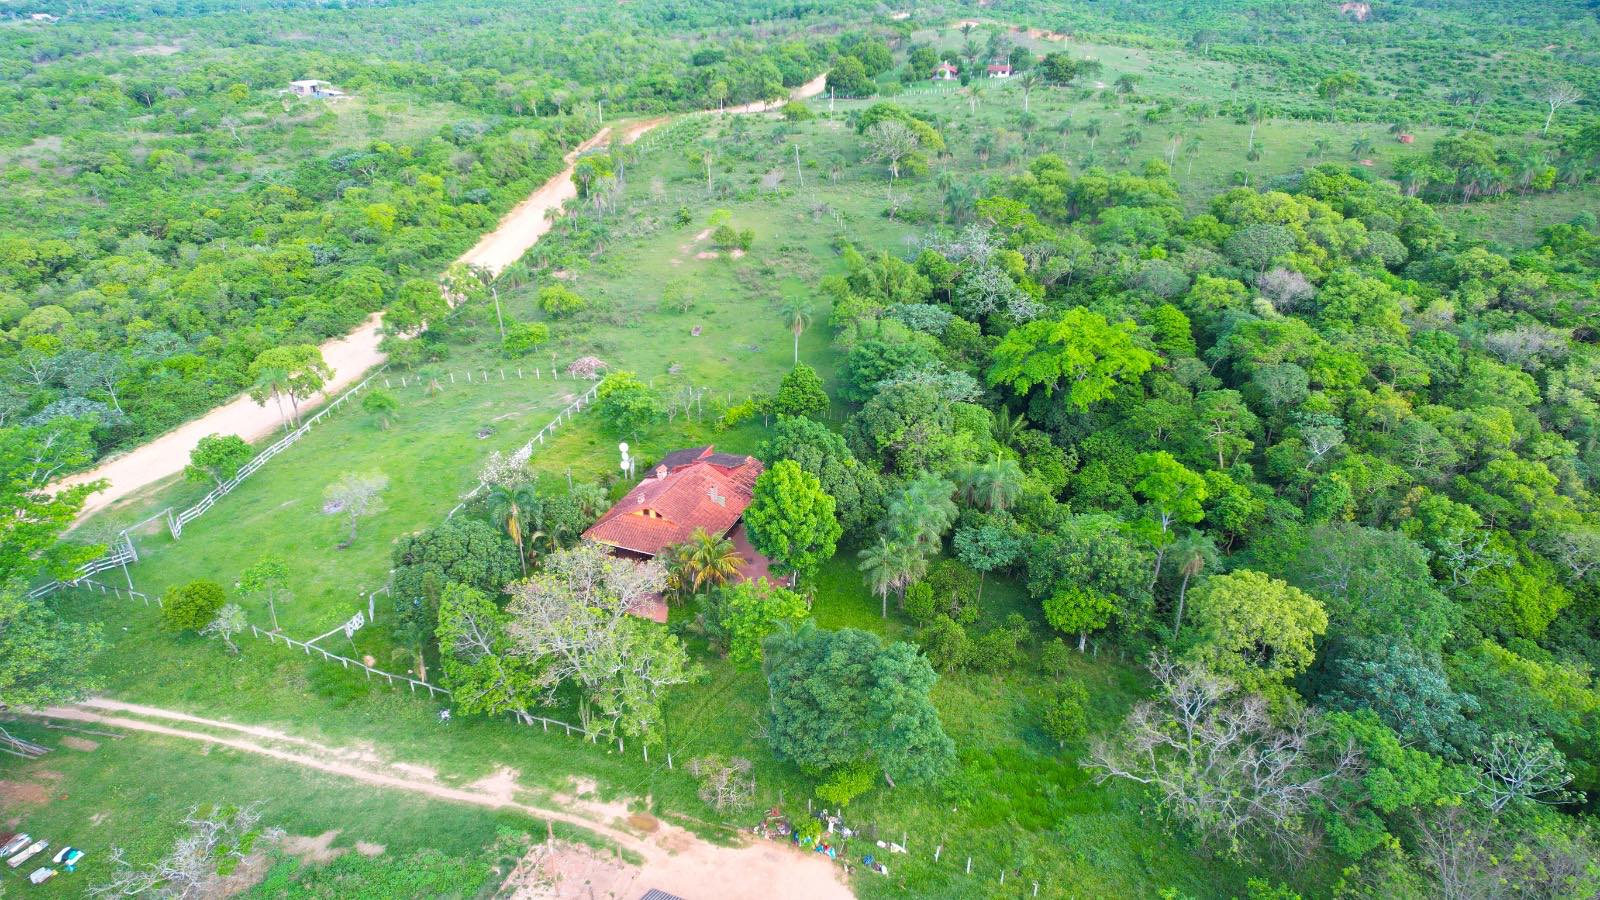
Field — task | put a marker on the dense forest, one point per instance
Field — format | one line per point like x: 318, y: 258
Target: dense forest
x: 1306, y: 449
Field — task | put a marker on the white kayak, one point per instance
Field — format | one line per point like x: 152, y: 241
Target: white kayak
x: 27, y: 854
x: 67, y: 855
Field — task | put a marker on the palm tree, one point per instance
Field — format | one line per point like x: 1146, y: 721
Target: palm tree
x: 797, y: 313
x: 923, y: 511
x: 1092, y: 129
x: 510, y: 508
x: 709, y: 559
x: 1028, y: 81
x: 1064, y: 130
x: 1361, y: 147
x: 1255, y: 111
x: 1007, y: 427
x: 890, y: 565
x: 1192, y: 552
x: 974, y: 90
x: 994, y: 485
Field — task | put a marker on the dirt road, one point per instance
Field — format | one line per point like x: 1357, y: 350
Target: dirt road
x: 354, y: 354
x: 675, y: 860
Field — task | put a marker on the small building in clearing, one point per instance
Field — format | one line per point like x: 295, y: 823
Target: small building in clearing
x: 944, y: 71
x: 310, y: 87
x: 999, y: 70
x: 687, y: 490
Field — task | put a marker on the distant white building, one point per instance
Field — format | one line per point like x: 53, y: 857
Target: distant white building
x: 43, y: 17
x: 311, y: 87
x: 999, y: 70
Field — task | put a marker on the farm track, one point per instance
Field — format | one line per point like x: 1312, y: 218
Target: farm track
x: 674, y: 859
x: 354, y: 354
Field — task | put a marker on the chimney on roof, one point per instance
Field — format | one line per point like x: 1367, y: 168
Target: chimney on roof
x: 661, y: 471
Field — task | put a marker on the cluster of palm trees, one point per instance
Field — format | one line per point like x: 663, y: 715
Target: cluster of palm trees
x: 520, y: 512
x: 924, y: 510
x: 704, y: 561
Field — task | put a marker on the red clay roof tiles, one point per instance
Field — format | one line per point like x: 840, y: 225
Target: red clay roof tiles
x: 688, y: 489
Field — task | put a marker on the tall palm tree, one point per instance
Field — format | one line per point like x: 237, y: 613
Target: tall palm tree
x: 890, y: 565
x: 1092, y: 129
x: 974, y: 91
x: 1008, y: 426
x: 510, y: 509
x: 709, y: 559
x: 797, y: 313
x: 1028, y: 81
x: 993, y: 485
x: 1064, y: 130
x: 923, y: 511
x: 1193, y: 552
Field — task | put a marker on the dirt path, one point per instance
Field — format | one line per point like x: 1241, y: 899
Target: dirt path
x: 675, y: 860
x: 354, y: 354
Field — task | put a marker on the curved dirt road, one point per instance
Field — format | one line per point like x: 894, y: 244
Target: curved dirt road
x: 354, y: 354
x: 675, y: 860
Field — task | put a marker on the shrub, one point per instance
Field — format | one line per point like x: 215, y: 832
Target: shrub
x: 946, y: 645
x: 523, y: 338
x: 795, y: 111
x: 919, y: 602
x: 1066, y: 718
x: 847, y: 783
x: 558, y: 300
x: 192, y: 606
x: 381, y: 406
x: 1056, y: 657
x: 1001, y: 648
x: 725, y: 237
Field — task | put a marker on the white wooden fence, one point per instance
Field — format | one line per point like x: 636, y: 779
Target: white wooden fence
x: 175, y: 523
x: 121, y: 553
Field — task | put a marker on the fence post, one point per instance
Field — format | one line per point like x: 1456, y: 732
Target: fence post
x: 669, y: 759
x: 969, y: 865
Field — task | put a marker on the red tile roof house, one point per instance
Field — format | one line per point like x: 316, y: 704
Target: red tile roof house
x: 688, y: 489
x: 1000, y: 70
x: 945, y: 71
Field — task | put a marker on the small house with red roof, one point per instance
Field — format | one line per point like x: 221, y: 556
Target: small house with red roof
x: 944, y: 71
x: 999, y: 70
x: 685, y: 491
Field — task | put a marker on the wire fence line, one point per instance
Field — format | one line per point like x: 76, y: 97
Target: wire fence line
x: 273, y: 637
x: 440, y: 380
